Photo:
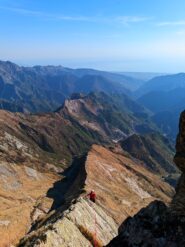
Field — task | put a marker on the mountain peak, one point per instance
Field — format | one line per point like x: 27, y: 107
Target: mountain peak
x: 9, y: 66
x: 77, y: 96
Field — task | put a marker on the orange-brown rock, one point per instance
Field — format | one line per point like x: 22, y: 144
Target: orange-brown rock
x: 23, y: 199
x: 123, y: 187
x: 122, y: 184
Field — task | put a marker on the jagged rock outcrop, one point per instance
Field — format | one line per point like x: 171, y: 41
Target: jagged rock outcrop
x: 81, y: 225
x: 159, y: 225
x: 152, y: 226
x: 121, y: 185
x: 178, y: 203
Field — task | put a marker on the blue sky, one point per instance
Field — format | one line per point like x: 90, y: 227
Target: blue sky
x: 116, y: 35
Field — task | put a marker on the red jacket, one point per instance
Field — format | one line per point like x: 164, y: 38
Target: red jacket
x: 92, y: 195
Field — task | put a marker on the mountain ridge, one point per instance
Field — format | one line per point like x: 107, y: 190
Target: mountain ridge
x: 40, y: 147
x: 163, y: 83
x: 44, y: 88
x: 105, y: 213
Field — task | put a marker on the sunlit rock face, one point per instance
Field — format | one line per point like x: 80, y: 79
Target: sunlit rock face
x: 25, y: 178
x: 80, y: 225
x: 23, y: 199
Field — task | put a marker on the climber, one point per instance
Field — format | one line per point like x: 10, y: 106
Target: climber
x: 92, y: 196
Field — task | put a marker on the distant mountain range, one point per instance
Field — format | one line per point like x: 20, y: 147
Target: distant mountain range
x: 163, y: 83
x: 165, y: 97
x: 44, y: 88
x: 143, y: 76
x: 164, y: 100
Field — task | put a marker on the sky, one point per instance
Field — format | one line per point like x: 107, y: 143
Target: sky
x: 114, y: 35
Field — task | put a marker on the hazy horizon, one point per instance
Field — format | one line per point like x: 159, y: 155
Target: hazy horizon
x: 111, y: 35
x: 93, y: 68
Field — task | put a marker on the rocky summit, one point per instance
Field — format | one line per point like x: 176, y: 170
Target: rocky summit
x: 123, y: 187
x: 159, y: 225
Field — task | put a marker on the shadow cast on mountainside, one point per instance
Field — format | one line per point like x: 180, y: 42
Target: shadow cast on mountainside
x: 64, y: 191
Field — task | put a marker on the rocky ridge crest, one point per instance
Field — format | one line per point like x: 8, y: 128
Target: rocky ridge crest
x: 121, y: 184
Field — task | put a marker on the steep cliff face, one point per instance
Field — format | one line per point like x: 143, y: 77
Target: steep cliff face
x: 152, y: 226
x: 178, y: 203
x: 157, y: 224
x: 121, y: 185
